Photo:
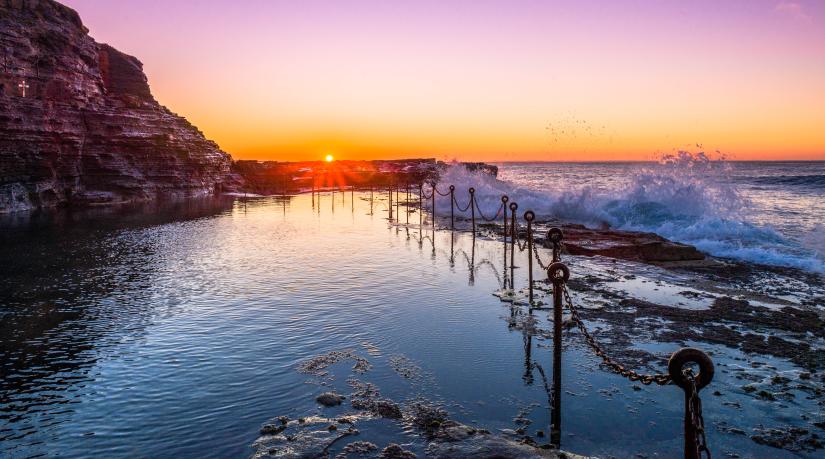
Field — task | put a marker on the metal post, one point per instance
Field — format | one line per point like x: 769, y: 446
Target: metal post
x: 397, y: 207
x: 420, y: 205
x: 407, y: 204
x: 473, y: 208
x: 513, y: 236
x: 529, y: 216
x: 504, y: 200
x: 558, y: 274
x: 695, y: 443
x: 452, y: 207
x: 352, y: 197
x: 390, y: 206
x: 371, y: 203
x: 433, y: 216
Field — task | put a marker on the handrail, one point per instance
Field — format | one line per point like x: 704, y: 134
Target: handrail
x: 679, y: 373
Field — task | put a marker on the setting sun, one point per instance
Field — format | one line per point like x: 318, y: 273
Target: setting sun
x: 329, y: 158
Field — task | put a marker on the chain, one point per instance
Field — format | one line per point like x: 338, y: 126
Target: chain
x: 521, y: 247
x: 424, y: 195
x: 483, y: 217
x: 538, y: 257
x: 660, y: 379
x: 435, y: 188
x: 694, y: 407
x: 466, y: 208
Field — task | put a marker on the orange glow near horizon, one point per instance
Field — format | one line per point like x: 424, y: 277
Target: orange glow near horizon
x: 483, y: 81
x: 329, y: 158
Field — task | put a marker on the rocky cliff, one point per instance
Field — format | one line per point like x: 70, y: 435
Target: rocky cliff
x: 79, y: 125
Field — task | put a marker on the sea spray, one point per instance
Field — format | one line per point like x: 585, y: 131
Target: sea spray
x: 686, y: 197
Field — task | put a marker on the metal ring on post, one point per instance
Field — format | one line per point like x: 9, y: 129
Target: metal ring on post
x: 558, y: 272
x: 529, y: 215
x: 555, y: 235
x: 685, y: 356
x: 452, y: 187
x: 504, y: 199
x: 513, y: 206
x: 472, y: 190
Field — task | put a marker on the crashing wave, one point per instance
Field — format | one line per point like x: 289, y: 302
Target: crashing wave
x: 686, y: 197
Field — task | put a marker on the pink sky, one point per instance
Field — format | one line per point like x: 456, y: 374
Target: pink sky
x: 481, y: 80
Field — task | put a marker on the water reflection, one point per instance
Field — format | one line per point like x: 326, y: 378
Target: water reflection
x: 177, y: 331
x: 63, y: 299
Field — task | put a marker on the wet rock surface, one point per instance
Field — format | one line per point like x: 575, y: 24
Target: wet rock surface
x: 358, y: 433
x: 626, y: 245
x: 790, y: 438
x: 735, y: 323
x: 330, y: 399
x: 763, y: 328
x: 393, y: 451
x: 317, y: 366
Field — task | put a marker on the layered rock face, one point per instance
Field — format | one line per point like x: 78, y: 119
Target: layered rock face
x: 88, y: 130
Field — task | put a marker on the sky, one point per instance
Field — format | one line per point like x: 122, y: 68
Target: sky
x: 575, y: 80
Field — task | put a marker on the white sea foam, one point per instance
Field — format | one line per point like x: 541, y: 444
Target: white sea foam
x: 686, y: 197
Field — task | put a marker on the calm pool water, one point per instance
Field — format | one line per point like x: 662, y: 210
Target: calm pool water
x: 175, y: 331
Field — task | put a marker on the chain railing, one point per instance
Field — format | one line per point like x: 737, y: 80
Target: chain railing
x: 679, y: 371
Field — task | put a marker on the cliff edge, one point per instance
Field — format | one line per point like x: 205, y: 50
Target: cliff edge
x: 79, y: 124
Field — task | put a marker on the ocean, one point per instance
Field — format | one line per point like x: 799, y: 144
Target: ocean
x: 762, y: 212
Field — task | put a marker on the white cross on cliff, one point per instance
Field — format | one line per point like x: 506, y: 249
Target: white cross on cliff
x: 23, y: 86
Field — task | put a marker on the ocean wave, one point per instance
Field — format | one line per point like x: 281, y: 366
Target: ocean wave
x: 687, y: 198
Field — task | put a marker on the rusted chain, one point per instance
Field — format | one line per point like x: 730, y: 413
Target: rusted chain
x: 694, y: 407
x: 466, y: 208
x: 432, y: 190
x: 435, y: 188
x: 514, y: 230
x: 538, y: 258
x: 660, y: 378
x: 483, y: 217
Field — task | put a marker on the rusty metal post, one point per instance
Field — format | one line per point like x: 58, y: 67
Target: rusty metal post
x: 513, y: 236
x: 695, y: 443
x: 371, y: 200
x: 452, y: 207
x: 397, y: 207
x: 529, y: 216
x: 558, y: 274
x: 504, y: 200
x: 407, y: 204
x: 554, y: 235
x: 473, y: 208
x: 420, y: 205
x: 433, y: 216
x: 390, y: 201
